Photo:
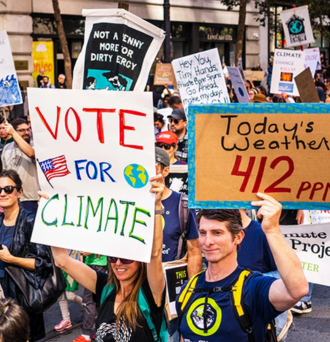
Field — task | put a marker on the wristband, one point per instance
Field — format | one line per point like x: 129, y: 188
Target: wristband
x: 160, y: 211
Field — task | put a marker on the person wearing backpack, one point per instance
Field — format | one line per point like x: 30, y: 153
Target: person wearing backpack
x: 228, y: 302
x: 180, y: 232
x: 132, y: 296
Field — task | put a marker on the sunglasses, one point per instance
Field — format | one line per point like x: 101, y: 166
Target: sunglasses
x: 8, y: 189
x: 23, y: 130
x: 166, y: 146
x: 113, y: 260
x: 176, y: 121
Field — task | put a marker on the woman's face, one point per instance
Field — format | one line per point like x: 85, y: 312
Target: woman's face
x: 125, y: 272
x: 8, y: 200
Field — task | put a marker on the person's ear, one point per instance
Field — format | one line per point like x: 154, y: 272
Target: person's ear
x: 166, y: 171
x: 239, y: 237
x: 175, y: 148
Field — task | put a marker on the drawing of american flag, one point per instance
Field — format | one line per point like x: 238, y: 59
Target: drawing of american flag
x: 55, y: 167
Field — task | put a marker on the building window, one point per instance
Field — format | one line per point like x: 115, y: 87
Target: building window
x: 217, y: 33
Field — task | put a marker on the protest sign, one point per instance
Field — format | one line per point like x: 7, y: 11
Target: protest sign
x: 297, y: 26
x: 238, y: 85
x: 275, y: 149
x: 179, y: 172
x: 318, y: 216
x: 312, y: 246
x: 9, y: 88
x: 200, y: 78
x: 175, y: 277
x: 253, y: 75
x: 306, y: 87
x: 43, y: 58
x: 164, y: 74
x: 312, y: 59
x: 95, y: 154
x: 118, y: 51
x: 287, y: 65
x: 240, y: 68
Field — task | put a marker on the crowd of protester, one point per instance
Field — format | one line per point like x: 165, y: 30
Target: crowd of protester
x: 128, y: 297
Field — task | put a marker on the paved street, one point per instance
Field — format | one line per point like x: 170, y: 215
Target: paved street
x: 308, y: 327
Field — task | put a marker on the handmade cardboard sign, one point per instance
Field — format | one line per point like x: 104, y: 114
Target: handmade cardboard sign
x: 312, y: 59
x: 312, y: 246
x: 164, y: 74
x: 253, y: 75
x: 200, y: 78
x: 297, y: 26
x: 95, y: 156
x: 9, y: 88
x: 118, y: 51
x: 287, y: 65
x: 306, y: 87
x: 238, y: 84
x: 235, y: 151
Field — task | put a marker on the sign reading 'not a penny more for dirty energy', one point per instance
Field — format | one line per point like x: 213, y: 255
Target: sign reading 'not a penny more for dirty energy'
x: 95, y: 156
x: 278, y: 150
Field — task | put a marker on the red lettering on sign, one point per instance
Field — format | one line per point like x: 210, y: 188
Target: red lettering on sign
x: 78, y: 121
x: 304, y: 186
x: 54, y: 134
x: 246, y: 174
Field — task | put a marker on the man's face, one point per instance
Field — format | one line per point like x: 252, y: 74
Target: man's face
x: 216, y: 242
x: 45, y: 79
x: 177, y: 126
x: 61, y: 79
x: 3, y: 133
x: 41, y: 71
x: 251, y: 95
x: 24, y: 131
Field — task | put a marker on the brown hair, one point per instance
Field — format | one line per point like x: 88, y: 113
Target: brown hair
x: 14, y: 322
x: 17, y: 122
x: 128, y: 309
x: 231, y: 217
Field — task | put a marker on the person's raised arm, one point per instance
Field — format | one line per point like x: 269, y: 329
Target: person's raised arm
x: 194, y: 257
x: 154, y: 268
x: 22, y: 144
x: 284, y: 293
x: 77, y: 270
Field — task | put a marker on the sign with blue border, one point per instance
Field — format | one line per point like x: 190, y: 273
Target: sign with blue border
x: 237, y: 150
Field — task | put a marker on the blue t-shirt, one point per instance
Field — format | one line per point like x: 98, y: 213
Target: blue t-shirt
x: 255, y: 253
x: 221, y: 322
x: 171, y: 226
x: 6, y: 236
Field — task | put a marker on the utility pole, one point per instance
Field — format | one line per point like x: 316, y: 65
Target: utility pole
x: 167, y: 29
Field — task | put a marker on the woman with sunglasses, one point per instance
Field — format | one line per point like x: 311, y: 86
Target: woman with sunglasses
x: 120, y: 317
x: 168, y: 141
x: 16, y: 225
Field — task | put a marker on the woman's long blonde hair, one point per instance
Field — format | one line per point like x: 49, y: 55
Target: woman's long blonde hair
x: 128, y: 309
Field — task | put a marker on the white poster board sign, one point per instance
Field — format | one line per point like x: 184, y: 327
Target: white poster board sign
x: 312, y: 59
x: 287, y: 65
x: 95, y: 156
x: 297, y: 26
x: 312, y: 246
x: 9, y: 88
x: 118, y: 51
x: 238, y: 84
x: 200, y: 78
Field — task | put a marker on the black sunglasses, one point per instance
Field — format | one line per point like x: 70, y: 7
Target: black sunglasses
x: 166, y: 146
x: 176, y: 121
x: 113, y: 260
x: 9, y: 189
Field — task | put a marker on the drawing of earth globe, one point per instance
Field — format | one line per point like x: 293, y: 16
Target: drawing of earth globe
x: 136, y: 176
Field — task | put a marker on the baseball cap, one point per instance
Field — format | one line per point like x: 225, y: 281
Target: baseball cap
x: 178, y: 114
x: 162, y: 157
x: 167, y: 137
x: 45, y: 76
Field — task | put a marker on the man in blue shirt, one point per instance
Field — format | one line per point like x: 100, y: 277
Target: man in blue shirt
x: 265, y: 298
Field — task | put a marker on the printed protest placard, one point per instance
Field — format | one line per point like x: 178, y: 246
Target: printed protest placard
x: 95, y: 156
x: 177, y: 179
x: 297, y: 26
x: 278, y: 150
x: 175, y: 277
x: 118, y: 51
x: 200, y: 78
x: 9, y: 88
x: 306, y: 87
x: 287, y: 65
x: 318, y: 216
x: 238, y: 84
x: 312, y: 246
x: 312, y: 59
x: 43, y: 58
x: 164, y: 74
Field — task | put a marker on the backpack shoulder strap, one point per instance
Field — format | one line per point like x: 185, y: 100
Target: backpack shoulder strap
x: 187, y: 295
x: 183, y: 218
x: 106, y: 292
x: 145, y: 308
x: 238, y: 304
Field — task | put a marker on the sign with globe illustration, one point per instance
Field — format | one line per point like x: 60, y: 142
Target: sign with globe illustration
x: 136, y: 176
